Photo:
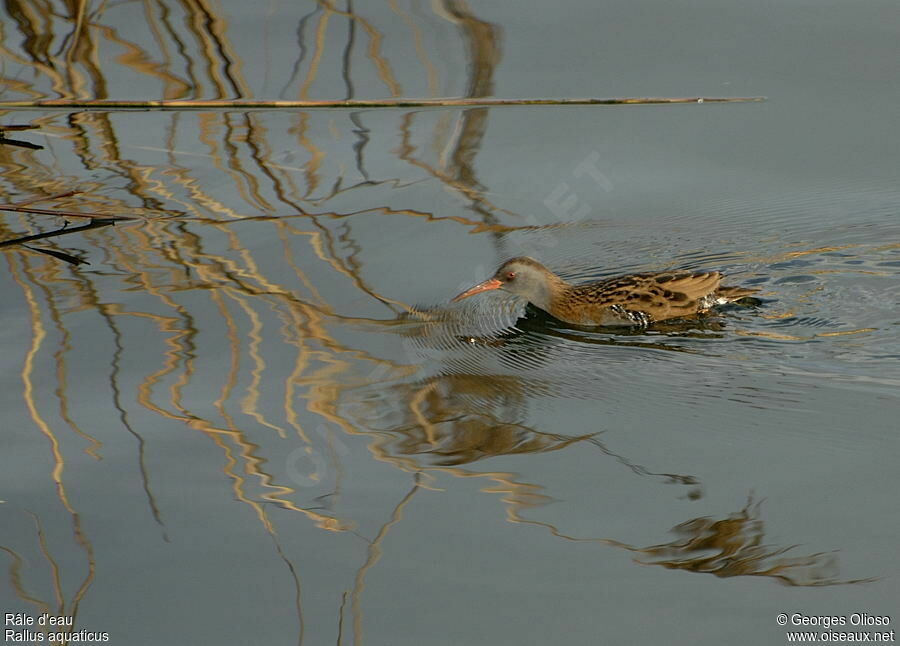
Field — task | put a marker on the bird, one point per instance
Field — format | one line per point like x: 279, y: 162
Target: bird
x: 631, y: 300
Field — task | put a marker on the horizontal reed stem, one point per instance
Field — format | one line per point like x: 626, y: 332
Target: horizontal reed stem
x: 252, y: 104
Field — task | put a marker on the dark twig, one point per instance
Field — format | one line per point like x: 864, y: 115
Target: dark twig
x: 96, y: 220
x: 93, y: 224
x: 16, y: 142
x: 63, y: 214
x: 252, y: 104
x: 44, y: 198
x: 75, y: 260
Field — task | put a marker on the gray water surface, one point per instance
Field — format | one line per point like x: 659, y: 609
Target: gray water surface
x: 255, y: 418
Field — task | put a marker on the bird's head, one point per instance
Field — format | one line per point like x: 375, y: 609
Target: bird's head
x: 524, y: 277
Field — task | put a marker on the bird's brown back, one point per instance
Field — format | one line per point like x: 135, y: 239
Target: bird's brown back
x: 661, y: 296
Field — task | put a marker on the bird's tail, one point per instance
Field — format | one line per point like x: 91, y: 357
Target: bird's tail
x: 731, y: 294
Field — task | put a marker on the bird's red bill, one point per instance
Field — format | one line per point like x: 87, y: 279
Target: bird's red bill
x: 486, y: 286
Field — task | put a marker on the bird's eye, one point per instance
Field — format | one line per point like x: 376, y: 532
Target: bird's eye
x: 510, y: 275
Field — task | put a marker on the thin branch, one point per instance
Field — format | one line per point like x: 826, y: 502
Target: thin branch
x: 18, y: 142
x: 44, y: 198
x: 21, y: 144
x: 250, y: 104
x: 103, y: 217
x: 61, y: 255
x: 93, y: 224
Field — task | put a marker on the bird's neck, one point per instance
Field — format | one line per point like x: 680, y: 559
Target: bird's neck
x: 549, y: 291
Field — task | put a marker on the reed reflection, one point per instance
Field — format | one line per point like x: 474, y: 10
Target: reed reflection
x: 187, y: 50
x: 171, y: 182
x: 251, y: 345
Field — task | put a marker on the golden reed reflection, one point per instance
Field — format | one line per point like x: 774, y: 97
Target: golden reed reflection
x: 162, y: 258
x: 190, y: 49
x: 20, y: 566
x: 252, y: 345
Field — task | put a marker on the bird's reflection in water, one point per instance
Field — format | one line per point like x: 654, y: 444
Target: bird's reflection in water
x: 735, y: 546
x: 454, y: 420
x: 462, y: 413
x: 471, y: 398
x: 537, y: 323
x: 549, y: 357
